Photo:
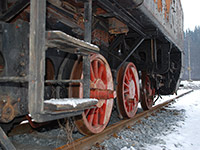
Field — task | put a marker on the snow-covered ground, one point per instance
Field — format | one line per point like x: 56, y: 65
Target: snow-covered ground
x: 187, y: 135
x: 175, y: 127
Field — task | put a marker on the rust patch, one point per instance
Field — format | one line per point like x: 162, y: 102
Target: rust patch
x: 167, y: 10
x: 159, y: 3
x: 100, y: 11
x: 100, y: 37
x: 117, y: 27
x: 80, y: 20
x: 8, y: 110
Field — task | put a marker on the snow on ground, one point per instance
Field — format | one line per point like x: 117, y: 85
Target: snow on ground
x: 187, y: 135
x: 175, y: 127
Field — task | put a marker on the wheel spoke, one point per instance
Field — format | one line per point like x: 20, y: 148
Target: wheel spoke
x: 101, y: 70
x: 95, y: 68
x: 92, y: 77
x: 102, y: 114
x: 126, y: 78
x: 91, y: 116
x: 126, y: 91
x: 126, y: 85
x: 87, y: 111
x: 96, y: 117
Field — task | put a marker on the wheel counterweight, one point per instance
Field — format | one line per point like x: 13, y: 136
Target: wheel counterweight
x: 94, y: 120
x: 128, y: 90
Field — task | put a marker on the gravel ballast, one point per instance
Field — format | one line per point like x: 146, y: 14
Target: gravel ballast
x: 145, y: 131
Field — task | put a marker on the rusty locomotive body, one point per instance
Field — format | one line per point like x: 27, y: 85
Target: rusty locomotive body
x: 63, y: 58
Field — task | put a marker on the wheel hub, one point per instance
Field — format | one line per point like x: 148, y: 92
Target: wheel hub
x: 131, y: 90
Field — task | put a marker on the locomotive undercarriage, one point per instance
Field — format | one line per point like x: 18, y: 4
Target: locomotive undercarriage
x: 42, y: 58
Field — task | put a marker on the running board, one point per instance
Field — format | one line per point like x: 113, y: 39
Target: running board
x: 67, y: 43
x: 54, y: 106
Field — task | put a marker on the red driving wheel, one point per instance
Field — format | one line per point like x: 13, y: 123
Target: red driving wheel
x: 94, y: 120
x: 148, y: 93
x: 128, y: 91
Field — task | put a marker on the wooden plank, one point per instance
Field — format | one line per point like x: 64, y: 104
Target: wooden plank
x: 37, y: 56
x: 65, y: 42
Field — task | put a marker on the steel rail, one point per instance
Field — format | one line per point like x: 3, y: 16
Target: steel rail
x: 87, y: 142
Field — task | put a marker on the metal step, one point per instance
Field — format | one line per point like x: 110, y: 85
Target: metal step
x: 67, y: 43
x: 54, y: 106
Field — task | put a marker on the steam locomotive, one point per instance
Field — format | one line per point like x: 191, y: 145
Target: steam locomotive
x: 79, y: 58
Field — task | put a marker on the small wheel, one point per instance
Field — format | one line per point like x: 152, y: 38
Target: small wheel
x: 94, y: 120
x: 128, y: 90
x: 147, y: 93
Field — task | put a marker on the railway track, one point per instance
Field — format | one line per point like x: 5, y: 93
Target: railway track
x: 85, y: 142
x: 88, y: 141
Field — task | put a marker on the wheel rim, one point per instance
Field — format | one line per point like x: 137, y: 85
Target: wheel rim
x: 94, y: 120
x: 148, y: 93
x: 128, y: 90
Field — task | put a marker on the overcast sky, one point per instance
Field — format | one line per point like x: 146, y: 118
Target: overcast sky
x: 191, y: 9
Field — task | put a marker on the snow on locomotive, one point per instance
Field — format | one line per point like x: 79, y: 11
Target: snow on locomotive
x: 63, y: 58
